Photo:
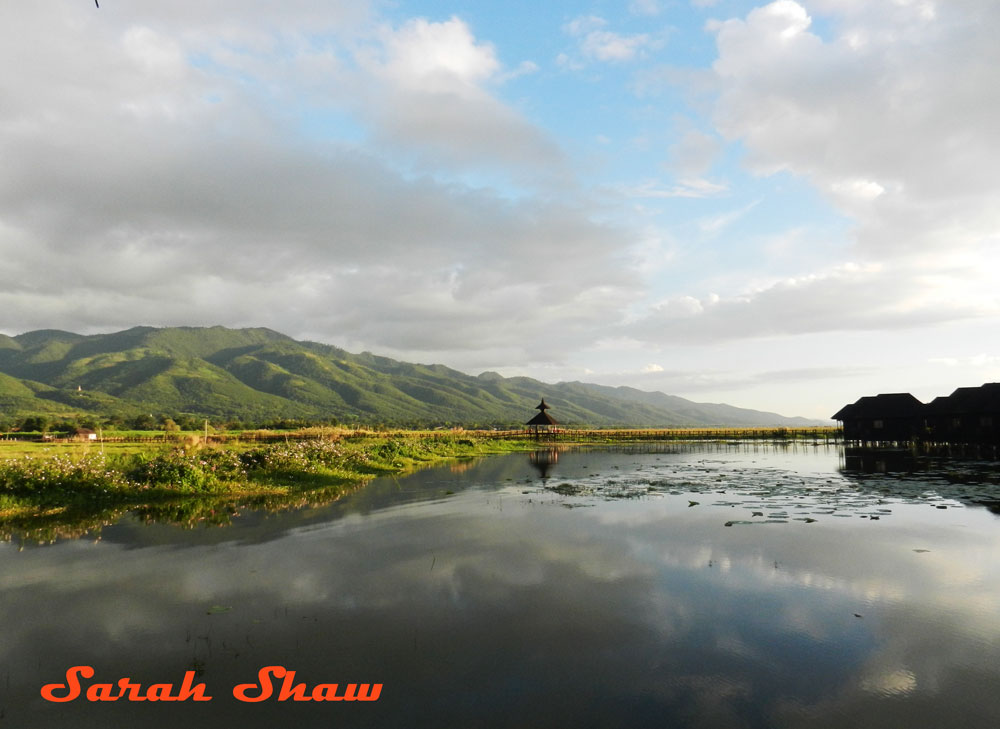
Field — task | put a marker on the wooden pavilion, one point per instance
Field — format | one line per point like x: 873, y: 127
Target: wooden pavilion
x: 542, y: 421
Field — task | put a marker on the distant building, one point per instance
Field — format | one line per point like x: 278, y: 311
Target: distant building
x: 84, y: 434
x: 969, y: 415
x: 542, y: 421
x: 895, y: 417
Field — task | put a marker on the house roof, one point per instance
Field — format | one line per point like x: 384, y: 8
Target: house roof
x: 939, y: 405
x: 985, y: 398
x: 543, y: 418
x: 891, y: 405
x: 844, y: 413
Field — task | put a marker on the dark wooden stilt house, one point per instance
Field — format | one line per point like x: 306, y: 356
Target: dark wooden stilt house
x: 889, y: 418
x: 968, y: 415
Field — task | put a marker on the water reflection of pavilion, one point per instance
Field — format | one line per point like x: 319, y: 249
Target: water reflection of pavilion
x: 543, y: 461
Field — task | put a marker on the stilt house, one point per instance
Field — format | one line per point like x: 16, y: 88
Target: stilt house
x: 895, y: 417
x: 968, y: 415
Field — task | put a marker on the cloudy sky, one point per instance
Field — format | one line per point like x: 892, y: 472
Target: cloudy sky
x: 780, y: 205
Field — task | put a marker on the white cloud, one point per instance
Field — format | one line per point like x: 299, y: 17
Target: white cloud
x: 979, y: 360
x: 691, y: 188
x: 156, y: 54
x: 584, y: 24
x: 783, y: 18
x: 849, y: 297
x: 437, y: 57
x: 891, y: 114
x: 563, y: 60
x: 721, y: 379
x: 645, y: 7
x: 525, y: 68
x: 431, y: 98
x: 605, y: 45
x: 693, y: 154
x: 894, y: 114
x: 857, y: 190
x: 608, y: 46
x: 720, y: 221
x: 157, y: 173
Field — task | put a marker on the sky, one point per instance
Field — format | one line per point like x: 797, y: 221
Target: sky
x: 782, y: 206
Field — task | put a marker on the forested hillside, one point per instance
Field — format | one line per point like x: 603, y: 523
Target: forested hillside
x: 256, y: 376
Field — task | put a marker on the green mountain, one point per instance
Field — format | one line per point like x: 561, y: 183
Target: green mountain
x: 256, y: 375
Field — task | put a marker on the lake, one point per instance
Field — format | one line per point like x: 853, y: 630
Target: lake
x: 674, y: 585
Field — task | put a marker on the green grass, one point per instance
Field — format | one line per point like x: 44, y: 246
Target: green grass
x: 10, y: 449
x: 37, y: 478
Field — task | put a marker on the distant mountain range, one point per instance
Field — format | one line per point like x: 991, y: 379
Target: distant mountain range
x: 259, y: 375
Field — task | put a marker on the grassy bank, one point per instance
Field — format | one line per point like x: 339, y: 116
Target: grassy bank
x: 55, y: 478
x: 51, y: 475
x: 51, y: 490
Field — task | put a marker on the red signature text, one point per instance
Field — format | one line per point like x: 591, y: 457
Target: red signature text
x: 125, y: 688
x: 289, y: 690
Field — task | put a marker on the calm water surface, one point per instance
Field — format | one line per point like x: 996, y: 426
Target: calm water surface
x: 714, y: 586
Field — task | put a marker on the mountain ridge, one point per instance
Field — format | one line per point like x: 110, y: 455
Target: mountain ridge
x: 258, y: 374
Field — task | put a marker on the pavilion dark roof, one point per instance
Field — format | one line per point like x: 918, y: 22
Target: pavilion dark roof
x: 543, y: 418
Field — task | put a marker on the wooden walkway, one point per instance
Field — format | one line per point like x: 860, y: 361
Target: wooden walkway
x: 822, y: 435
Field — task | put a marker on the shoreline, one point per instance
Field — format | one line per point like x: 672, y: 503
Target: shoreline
x: 54, y: 490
